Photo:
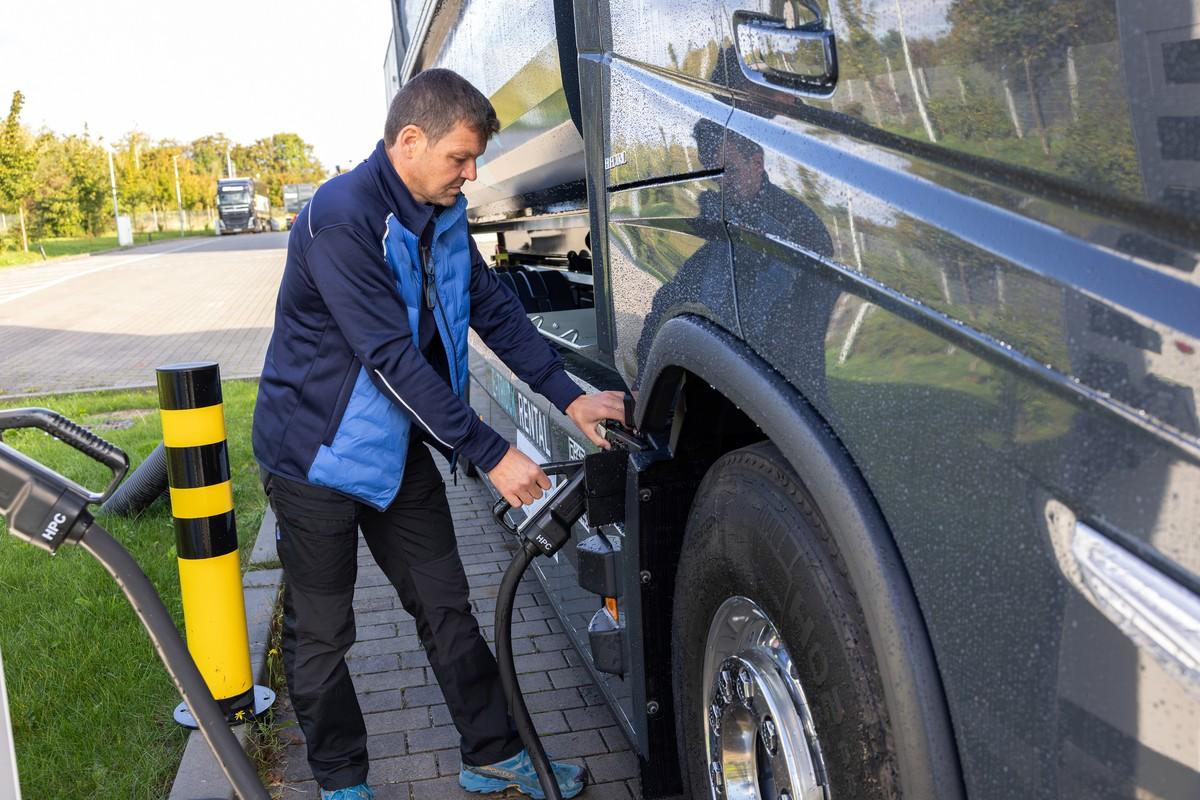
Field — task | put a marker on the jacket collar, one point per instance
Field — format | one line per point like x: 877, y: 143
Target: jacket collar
x: 411, y: 213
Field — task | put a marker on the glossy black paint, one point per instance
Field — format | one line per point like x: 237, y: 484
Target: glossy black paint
x: 991, y: 310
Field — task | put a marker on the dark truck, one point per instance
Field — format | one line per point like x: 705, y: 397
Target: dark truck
x: 907, y: 294
x: 240, y: 208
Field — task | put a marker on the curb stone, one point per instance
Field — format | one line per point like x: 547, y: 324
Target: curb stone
x: 199, y: 776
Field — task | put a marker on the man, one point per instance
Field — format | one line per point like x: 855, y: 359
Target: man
x: 367, y: 366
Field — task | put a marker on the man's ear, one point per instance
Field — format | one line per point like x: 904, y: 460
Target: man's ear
x: 410, y: 140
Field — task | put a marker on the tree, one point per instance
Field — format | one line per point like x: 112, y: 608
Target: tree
x: 16, y: 162
x: 70, y: 193
x: 279, y: 159
x: 1029, y: 31
x: 135, y: 181
x: 208, y: 154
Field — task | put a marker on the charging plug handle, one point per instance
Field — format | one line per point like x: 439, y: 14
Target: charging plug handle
x: 501, y: 508
x: 77, y: 437
x: 549, y: 528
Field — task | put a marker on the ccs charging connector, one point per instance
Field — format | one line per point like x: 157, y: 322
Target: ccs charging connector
x: 595, y: 486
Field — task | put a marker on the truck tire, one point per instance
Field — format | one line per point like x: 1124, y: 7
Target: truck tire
x: 777, y: 689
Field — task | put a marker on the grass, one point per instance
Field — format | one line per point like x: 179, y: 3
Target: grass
x: 268, y: 739
x: 91, y: 703
x: 78, y: 245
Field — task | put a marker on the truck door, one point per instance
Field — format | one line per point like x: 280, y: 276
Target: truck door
x: 661, y: 70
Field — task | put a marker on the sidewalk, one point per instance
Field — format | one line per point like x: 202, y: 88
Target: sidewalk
x: 413, y: 746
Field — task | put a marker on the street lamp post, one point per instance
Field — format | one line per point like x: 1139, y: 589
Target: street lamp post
x: 228, y: 160
x: 112, y: 179
x: 178, y: 194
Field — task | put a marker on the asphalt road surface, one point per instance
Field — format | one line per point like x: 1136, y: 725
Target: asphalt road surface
x: 108, y: 320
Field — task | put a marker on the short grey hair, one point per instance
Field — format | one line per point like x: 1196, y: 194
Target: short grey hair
x: 435, y: 101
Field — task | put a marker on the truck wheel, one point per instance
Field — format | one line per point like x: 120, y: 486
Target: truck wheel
x: 777, y: 689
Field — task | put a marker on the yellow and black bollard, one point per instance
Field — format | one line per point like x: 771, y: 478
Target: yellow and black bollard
x: 210, y: 579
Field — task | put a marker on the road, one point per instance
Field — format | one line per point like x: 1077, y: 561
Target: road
x: 109, y: 320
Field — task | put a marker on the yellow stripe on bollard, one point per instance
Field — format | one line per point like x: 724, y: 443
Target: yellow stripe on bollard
x: 204, y: 501
x: 215, y: 622
x: 193, y: 427
x: 198, y: 476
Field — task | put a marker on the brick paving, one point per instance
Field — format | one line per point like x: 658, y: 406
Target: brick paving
x: 413, y: 745
x: 110, y: 319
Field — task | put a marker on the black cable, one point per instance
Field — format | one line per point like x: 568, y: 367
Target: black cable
x: 144, y: 485
x: 175, y: 657
x: 508, y: 672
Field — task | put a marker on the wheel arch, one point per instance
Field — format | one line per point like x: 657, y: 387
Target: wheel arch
x: 921, y: 725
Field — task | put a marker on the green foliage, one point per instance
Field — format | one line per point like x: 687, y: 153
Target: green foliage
x: 70, y: 187
x: 207, y: 154
x: 1100, y: 152
x: 981, y: 116
x: 16, y: 155
x: 276, y: 160
x: 1009, y: 31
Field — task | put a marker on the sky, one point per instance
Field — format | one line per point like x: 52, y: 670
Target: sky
x: 179, y: 70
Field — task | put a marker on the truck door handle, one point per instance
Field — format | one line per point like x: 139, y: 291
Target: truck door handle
x: 773, y: 53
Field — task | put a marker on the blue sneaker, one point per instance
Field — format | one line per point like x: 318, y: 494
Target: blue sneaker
x: 518, y: 773
x: 360, y: 792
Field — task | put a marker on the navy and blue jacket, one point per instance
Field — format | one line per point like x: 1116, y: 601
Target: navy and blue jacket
x: 344, y: 379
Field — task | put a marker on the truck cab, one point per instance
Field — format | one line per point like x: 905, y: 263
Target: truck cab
x: 240, y: 208
x: 908, y: 303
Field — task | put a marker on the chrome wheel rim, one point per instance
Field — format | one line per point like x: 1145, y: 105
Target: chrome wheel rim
x: 758, y: 730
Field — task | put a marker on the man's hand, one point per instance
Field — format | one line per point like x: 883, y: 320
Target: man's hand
x: 588, y: 410
x: 518, y: 479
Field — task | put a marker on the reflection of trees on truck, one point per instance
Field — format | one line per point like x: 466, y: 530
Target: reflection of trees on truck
x: 915, y: 339
x: 240, y: 208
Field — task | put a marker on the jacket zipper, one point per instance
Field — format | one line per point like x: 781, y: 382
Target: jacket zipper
x: 451, y: 354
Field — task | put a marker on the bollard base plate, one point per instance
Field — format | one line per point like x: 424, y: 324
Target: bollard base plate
x: 264, y: 698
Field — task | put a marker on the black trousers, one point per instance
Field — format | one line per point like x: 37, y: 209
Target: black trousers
x: 413, y: 542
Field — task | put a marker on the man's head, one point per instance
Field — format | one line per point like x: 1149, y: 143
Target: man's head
x: 438, y: 124
x: 741, y: 158
x: 744, y: 167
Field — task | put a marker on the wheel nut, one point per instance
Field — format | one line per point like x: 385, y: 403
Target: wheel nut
x: 725, y: 686
x: 745, y: 684
x: 716, y: 776
x: 767, y: 732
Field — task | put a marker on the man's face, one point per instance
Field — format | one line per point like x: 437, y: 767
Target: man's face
x: 435, y: 172
x: 745, y: 173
